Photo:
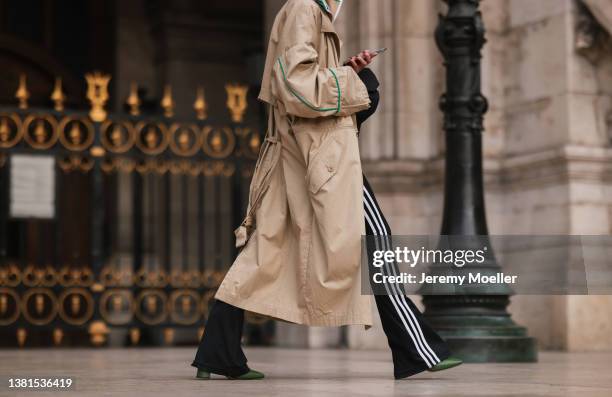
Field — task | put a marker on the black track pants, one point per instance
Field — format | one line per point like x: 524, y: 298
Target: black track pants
x: 415, y: 346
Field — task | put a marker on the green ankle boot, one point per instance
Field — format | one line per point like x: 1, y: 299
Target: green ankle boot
x: 251, y: 375
x: 446, y: 364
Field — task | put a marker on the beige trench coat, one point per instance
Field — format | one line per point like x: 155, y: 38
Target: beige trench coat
x: 301, y: 241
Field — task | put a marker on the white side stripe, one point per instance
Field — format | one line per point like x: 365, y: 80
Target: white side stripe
x: 421, y: 341
x: 428, y: 350
x: 395, y: 304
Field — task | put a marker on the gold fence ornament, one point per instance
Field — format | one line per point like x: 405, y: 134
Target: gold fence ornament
x: 22, y: 334
x: 98, y: 332
x: 237, y: 101
x: 133, y: 101
x: 57, y: 96
x: 22, y: 93
x: 200, y: 105
x: 167, y: 103
x: 97, y: 93
x: 58, y: 335
x: 4, y: 130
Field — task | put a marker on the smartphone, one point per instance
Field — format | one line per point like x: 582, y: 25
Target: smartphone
x: 372, y: 52
x: 377, y: 51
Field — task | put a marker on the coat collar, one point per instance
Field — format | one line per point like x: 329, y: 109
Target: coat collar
x: 331, y: 7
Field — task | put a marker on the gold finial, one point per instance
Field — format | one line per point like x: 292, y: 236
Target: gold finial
x: 200, y: 105
x: 22, y: 93
x: 97, y: 93
x: 236, y: 100
x: 167, y: 103
x: 133, y: 101
x: 57, y: 96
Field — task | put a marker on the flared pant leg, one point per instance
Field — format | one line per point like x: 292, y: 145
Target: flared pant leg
x: 415, y: 346
x: 220, y: 349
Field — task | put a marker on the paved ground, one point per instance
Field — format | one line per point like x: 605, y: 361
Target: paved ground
x: 296, y: 373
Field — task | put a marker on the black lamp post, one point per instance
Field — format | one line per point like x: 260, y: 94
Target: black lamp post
x: 475, y: 323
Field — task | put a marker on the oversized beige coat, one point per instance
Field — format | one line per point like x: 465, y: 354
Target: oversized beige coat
x: 301, y: 240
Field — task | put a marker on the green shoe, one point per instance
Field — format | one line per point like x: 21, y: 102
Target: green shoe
x: 201, y: 374
x: 446, y: 364
x: 251, y: 375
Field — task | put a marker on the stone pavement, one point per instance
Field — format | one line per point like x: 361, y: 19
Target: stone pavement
x: 296, y: 373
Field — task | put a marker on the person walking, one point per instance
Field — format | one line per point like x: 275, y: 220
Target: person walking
x: 309, y: 205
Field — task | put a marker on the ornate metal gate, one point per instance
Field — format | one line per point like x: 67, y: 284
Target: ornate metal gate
x: 139, y: 232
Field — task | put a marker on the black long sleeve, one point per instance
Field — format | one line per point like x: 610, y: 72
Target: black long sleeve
x: 371, y: 82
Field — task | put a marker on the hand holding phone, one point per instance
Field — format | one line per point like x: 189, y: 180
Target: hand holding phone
x: 363, y: 59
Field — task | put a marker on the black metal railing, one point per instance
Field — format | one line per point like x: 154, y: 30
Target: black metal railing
x: 138, y: 232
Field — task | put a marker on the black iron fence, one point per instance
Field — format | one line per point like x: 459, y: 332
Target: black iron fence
x: 116, y: 220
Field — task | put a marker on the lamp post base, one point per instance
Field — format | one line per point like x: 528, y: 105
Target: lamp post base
x: 478, y: 329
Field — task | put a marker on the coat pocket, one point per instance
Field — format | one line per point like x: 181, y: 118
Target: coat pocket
x: 325, y: 162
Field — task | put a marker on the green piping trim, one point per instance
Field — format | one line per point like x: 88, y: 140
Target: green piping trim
x: 304, y: 101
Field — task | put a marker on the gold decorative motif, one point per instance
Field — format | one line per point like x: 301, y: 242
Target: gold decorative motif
x: 151, y: 138
x: 212, y: 278
x: 148, y: 316
x: 168, y: 336
x: 57, y: 96
x: 76, y: 306
x: 134, y: 335
x: 97, y: 151
x: 98, y: 332
x: 22, y: 334
x: 236, y: 101
x: 10, y: 275
x: 218, y: 143
x: 8, y: 299
x: 200, y: 333
x: 76, y: 134
x: 33, y: 276
x: 11, y: 130
x: 167, y: 103
x: 185, y: 306
x: 72, y: 276
x: 76, y: 163
x: 40, y: 132
x: 117, y: 137
x: 97, y: 93
x: 58, y: 335
x: 200, y: 105
x: 117, y: 313
x: 22, y: 93
x: 133, y: 101
x: 44, y: 305
x: 184, y: 139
